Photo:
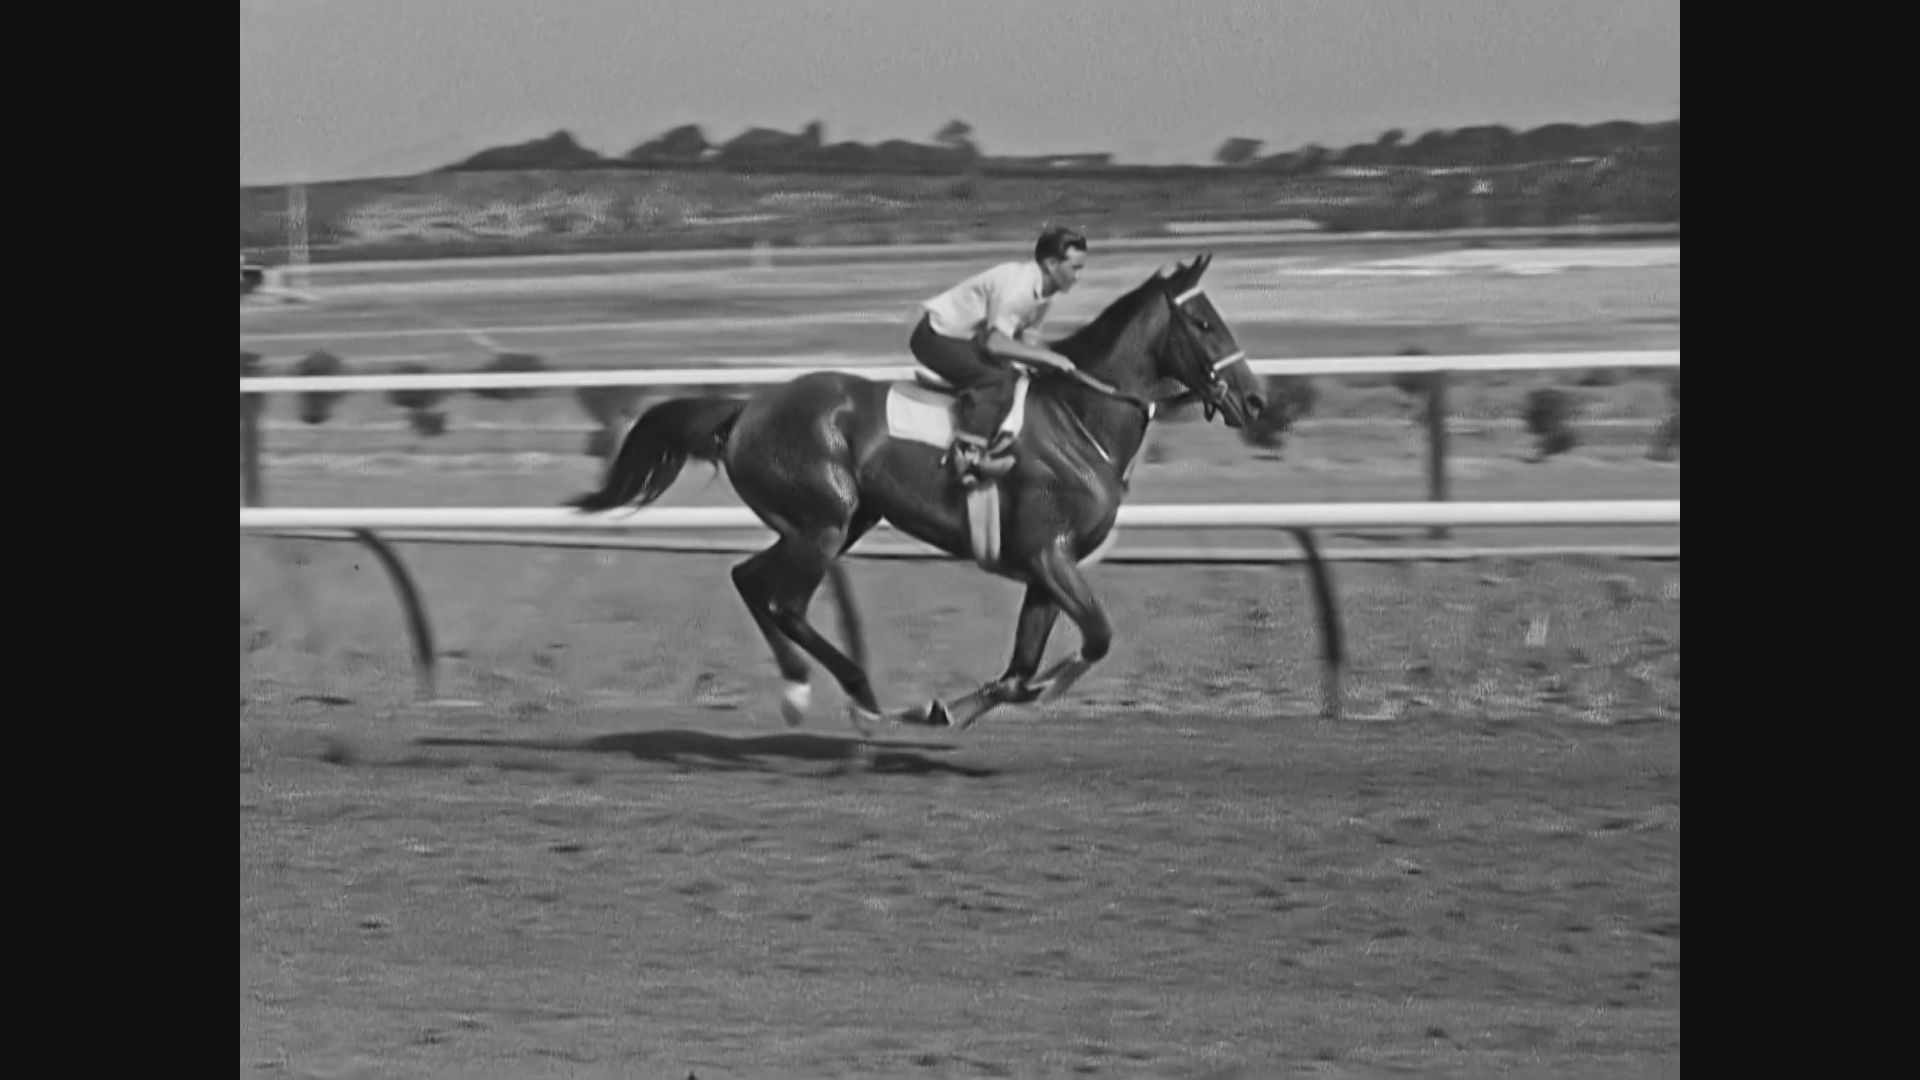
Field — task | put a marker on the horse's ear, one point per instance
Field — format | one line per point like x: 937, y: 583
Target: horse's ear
x: 1200, y: 264
x: 1177, y: 280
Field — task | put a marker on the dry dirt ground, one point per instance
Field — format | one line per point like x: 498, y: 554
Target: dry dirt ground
x: 618, y: 862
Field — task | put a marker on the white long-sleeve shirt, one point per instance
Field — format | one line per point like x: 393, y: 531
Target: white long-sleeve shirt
x: 1007, y: 298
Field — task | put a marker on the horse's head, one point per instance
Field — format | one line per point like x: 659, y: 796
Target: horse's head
x: 1201, y: 353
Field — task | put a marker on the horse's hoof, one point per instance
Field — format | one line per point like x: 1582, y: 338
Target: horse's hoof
x: 932, y: 714
x: 862, y: 719
x: 1057, y: 681
x: 1016, y: 694
x: 794, y: 702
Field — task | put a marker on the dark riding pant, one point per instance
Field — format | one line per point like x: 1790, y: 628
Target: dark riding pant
x: 985, y: 381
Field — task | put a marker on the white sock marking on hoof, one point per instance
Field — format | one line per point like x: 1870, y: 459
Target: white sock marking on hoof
x: 794, y: 702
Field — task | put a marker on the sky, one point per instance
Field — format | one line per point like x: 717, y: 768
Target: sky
x: 339, y: 89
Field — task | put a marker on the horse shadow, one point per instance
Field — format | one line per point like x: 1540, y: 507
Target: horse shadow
x: 757, y: 753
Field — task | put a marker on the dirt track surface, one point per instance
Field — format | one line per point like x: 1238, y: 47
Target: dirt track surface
x: 620, y: 864
x: 675, y: 893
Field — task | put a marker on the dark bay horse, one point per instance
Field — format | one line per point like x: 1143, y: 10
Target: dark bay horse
x: 826, y: 456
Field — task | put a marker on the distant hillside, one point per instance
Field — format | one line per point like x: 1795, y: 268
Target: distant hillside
x: 954, y: 153
x: 556, y: 151
x: 680, y: 190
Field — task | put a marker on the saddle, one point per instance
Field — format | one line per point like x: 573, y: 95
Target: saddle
x: 921, y: 410
x: 934, y: 382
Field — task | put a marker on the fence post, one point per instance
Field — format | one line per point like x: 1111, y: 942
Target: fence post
x: 419, y: 627
x: 296, y: 272
x: 1333, y: 640
x: 1437, y: 447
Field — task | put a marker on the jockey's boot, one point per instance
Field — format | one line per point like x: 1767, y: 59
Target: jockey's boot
x: 976, y: 460
x: 981, y: 458
x: 964, y: 456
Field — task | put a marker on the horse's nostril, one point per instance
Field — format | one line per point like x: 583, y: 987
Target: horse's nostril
x: 1256, y: 404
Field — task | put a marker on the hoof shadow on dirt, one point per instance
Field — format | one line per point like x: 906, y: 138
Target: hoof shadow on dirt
x: 687, y: 747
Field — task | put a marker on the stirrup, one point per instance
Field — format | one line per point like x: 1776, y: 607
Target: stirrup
x: 973, y: 459
x: 977, y: 462
x: 965, y: 446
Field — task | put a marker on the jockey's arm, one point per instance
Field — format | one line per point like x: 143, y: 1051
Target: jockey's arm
x: 997, y: 342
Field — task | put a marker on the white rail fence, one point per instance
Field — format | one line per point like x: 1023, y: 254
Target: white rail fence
x: 364, y: 523
x: 1170, y: 516
x: 1440, y: 366
x: 361, y: 523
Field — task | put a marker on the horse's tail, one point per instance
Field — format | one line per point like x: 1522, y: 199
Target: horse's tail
x: 658, y: 446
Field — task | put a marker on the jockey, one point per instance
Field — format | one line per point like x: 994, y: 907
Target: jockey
x: 971, y: 331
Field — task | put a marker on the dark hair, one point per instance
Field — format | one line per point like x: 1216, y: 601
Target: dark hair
x: 1055, y: 241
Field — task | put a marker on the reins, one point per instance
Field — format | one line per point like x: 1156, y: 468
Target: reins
x: 1148, y: 408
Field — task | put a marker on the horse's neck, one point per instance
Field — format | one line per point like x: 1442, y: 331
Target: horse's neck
x: 1129, y: 366
x: 1119, y: 427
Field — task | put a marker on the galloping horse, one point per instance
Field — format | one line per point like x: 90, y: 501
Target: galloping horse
x: 824, y: 457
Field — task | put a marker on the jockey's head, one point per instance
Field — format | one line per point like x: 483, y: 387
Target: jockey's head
x: 1061, y: 253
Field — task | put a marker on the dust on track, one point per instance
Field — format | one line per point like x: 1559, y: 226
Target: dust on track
x: 1089, y: 890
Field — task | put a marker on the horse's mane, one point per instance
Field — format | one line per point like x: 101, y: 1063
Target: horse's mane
x: 1098, y: 338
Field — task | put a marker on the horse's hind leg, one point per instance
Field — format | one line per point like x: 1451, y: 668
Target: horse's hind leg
x: 778, y: 586
x: 750, y: 579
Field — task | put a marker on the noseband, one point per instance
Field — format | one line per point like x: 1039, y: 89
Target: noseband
x: 1212, y: 398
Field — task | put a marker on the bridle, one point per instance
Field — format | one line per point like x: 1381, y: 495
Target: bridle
x: 1212, y: 397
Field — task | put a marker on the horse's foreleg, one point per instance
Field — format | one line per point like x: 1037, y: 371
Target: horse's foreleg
x: 1067, y: 586
x: 1058, y: 586
x: 1038, y: 613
